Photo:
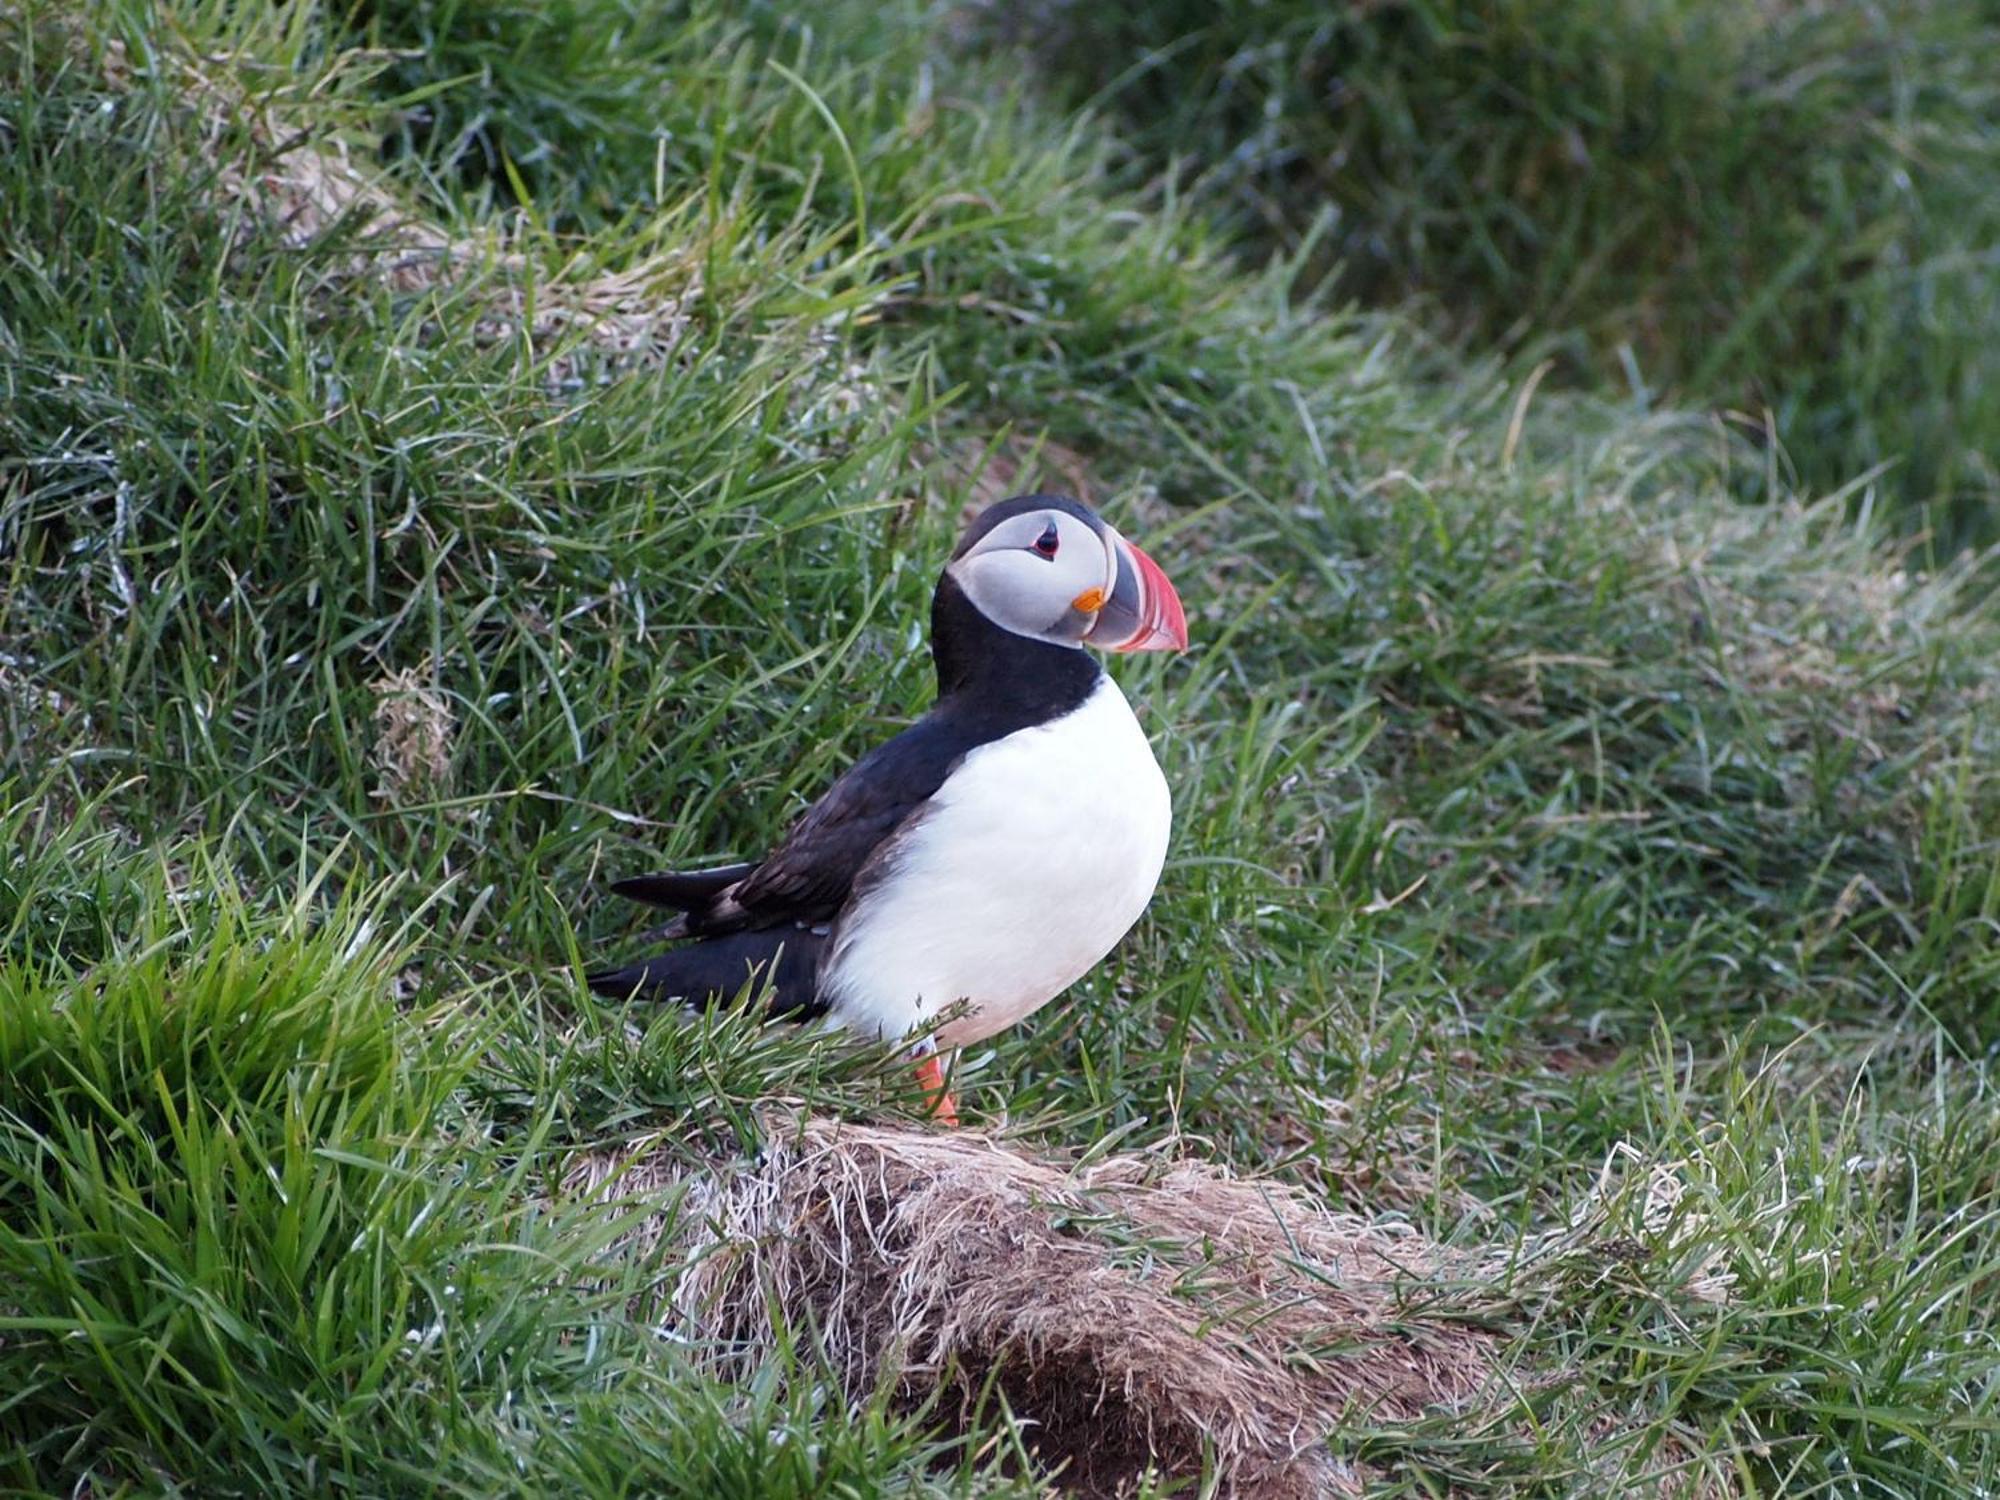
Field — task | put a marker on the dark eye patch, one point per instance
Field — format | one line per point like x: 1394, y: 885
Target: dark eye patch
x: 1047, y: 542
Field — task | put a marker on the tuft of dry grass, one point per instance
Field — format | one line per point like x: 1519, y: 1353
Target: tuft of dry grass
x: 631, y: 318
x: 413, y: 731
x: 292, y: 170
x: 1140, y: 1314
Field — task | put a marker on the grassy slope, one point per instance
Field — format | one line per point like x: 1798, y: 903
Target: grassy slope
x: 1789, y: 210
x: 1535, y: 802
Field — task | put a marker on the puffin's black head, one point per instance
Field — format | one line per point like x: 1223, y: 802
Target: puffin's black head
x: 1052, y: 569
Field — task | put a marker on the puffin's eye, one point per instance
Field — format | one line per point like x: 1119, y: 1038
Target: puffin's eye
x: 1045, y: 544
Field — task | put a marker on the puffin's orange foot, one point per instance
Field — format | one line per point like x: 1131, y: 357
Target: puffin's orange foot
x: 930, y: 1078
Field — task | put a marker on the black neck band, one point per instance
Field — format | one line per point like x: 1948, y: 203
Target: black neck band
x: 986, y: 671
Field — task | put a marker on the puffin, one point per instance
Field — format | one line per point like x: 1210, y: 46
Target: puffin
x: 964, y: 873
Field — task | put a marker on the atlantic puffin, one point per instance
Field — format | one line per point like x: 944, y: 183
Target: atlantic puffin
x: 982, y: 861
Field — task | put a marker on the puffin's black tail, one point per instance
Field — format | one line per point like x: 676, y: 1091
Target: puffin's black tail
x: 787, y: 958
x: 681, y: 890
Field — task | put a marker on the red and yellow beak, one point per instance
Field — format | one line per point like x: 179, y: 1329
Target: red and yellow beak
x: 1142, y: 612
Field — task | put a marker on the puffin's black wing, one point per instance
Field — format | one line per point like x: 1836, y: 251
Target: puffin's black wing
x: 809, y: 876
x: 771, y: 919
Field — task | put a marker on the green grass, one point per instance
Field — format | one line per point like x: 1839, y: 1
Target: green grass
x: 257, y: 1244
x: 1772, y: 208
x: 1539, y: 806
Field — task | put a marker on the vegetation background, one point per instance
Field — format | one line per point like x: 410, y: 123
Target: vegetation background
x: 1786, y: 211
x: 452, y: 451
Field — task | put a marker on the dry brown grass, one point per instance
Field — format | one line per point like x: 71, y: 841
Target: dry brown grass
x: 1139, y: 1313
x: 310, y: 187
x: 413, y: 733
x: 286, y: 163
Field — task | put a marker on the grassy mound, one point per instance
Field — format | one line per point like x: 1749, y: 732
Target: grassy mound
x: 1138, y: 1314
x: 454, y: 454
x: 1785, y: 209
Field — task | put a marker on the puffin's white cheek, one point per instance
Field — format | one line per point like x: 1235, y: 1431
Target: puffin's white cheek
x: 1023, y: 593
x: 1083, y: 570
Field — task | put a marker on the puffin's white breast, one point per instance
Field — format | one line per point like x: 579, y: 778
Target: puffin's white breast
x: 1033, y: 859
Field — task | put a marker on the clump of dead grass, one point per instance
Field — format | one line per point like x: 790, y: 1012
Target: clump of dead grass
x: 284, y: 164
x: 626, y: 319
x: 1139, y: 1313
x: 413, y: 734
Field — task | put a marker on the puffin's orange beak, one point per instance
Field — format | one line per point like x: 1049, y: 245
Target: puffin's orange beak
x: 1143, y: 613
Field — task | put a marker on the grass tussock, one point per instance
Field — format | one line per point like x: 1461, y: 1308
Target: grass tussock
x: 454, y: 453
x: 1137, y: 1315
x: 935, y: 1261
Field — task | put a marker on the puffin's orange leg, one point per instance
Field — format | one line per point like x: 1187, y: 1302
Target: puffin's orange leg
x: 930, y: 1078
